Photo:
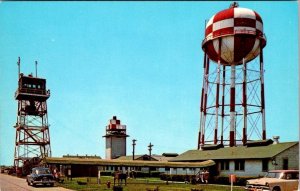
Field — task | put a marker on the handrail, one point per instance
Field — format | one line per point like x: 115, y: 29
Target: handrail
x: 237, y: 31
x: 118, y: 127
x: 33, y: 91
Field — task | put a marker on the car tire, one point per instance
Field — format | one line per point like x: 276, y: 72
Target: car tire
x: 276, y: 189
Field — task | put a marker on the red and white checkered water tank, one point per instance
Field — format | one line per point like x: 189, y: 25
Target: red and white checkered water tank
x: 239, y: 31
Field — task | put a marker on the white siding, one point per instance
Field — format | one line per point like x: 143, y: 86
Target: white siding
x: 292, y: 154
x: 118, y: 147
x: 187, y: 171
x: 252, y: 168
x: 115, y: 146
x: 108, y: 149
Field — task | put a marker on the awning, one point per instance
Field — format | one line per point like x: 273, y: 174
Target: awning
x: 129, y: 163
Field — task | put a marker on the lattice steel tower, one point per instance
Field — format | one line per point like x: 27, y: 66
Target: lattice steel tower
x: 32, y: 129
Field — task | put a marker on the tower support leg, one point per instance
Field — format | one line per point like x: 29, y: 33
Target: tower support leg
x: 244, y: 139
x: 262, y: 94
x: 232, y: 108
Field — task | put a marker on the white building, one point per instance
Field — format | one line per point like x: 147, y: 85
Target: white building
x: 255, y: 159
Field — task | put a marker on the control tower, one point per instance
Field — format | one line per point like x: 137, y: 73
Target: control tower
x: 115, y: 139
x: 32, y: 129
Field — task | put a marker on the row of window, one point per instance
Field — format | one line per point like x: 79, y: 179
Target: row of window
x: 139, y: 168
x: 239, y: 165
x: 33, y: 86
x: 190, y: 169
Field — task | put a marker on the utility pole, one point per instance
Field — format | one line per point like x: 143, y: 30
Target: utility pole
x: 150, y: 149
x: 133, y: 147
x: 36, y: 63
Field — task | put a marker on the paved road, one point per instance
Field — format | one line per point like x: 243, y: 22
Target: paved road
x: 12, y: 183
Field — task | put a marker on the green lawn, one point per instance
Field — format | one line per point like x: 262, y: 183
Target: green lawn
x: 141, y: 184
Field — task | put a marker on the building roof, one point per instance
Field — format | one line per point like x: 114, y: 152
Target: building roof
x: 81, y: 156
x: 145, y: 157
x: 239, y: 152
x: 170, y: 154
x: 102, y: 162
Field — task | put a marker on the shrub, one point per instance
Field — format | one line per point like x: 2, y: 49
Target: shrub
x: 177, y: 177
x: 117, y: 188
x: 137, y: 174
x: 106, y: 173
x: 141, y: 174
x: 240, y: 181
x: 155, y: 174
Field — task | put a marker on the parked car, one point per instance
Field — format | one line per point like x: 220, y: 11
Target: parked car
x: 275, y: 180
x: 40, y: 175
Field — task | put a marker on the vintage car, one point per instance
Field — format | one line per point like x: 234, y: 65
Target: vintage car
x: 276, y: 180
x: 40, y: 175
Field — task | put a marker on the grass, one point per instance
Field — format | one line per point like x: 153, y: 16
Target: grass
x: 141, y: 184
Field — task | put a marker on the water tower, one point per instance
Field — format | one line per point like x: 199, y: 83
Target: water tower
x: 115, y: 138
x: 32, y: 129
x: 232, y: 98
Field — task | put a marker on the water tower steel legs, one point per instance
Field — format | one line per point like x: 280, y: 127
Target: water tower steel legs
x: 201, y: 138
x: 201, y: 105
x: 262, y: 94
x: 244, y: 139
x: 205, y: 97
x: 232, y: 107
x: 217, y: 104
x: 217, y: 94
x: 223, y: 105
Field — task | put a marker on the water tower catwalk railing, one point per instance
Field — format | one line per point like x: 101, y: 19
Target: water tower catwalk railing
x: 232, y: 108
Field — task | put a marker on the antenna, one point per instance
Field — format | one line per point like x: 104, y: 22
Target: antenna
x: 18, y: 63
x: 233, y: 5
x: 36, y: 68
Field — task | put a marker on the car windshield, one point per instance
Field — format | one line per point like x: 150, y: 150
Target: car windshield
x: 274, y: 175
x: 282, y: 175
x: 42, y: 171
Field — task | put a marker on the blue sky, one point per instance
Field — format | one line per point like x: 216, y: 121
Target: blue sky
x: 140, y: 61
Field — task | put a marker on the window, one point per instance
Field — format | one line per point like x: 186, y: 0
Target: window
x: 265, y: 165
x: 239, y: 165
x: 285, y: 164
x: 167, y: 169
x: 153, y: 169
x: 224, y: 165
